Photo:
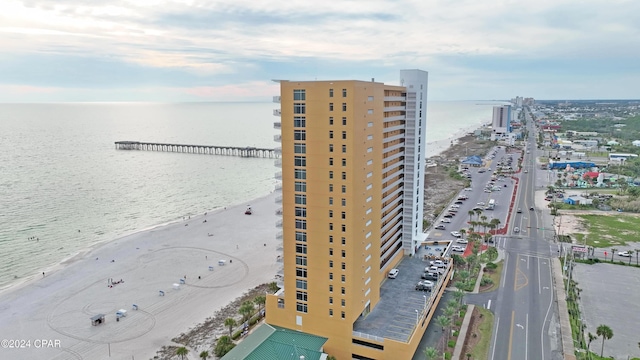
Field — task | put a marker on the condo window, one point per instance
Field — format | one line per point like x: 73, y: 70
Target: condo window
x: 301, y: 307
x: 301, y: 248
x: 330, y: 226
x: 344, y: 254
x: 330, y: 201
x: 370, y: 98
x: 370, y: 111
x: 343, y: 291
x: 330, y: 187
x: 330, y: 251
x: 344, y: 241
x: 301, y: 272
x: 300, y: 174
x: 301, y: 199
x: 344, y: 92
x: 330, y: 92
x: 344, y: 216
x: 299, y: 121
x: 330, y: 213
x: 330, y: 106
x: 299, y: 108
x: 299, y: 95
x: 330, y: 134
x: 344, y: 266
x: 330, y: 174
x: 301, y: 295
x: 344, y: 228
x: 301, y: 236
x: 344, y: 106
x: 330, y: 147
x: 300, y: 186
x: 344, y: 162
x: 300, y: 148
x: 330, y: 299
x: 330, y: 120
x: 330, y: 288
x: 300, y: 161
x: 301, y: 284
x: 344, y: 148
x: 330, y: 312
x: 342, y: 314
x: 344, y: 189
x: 301, y: 212
x: 344, y: 121
x: 330, y: 239
x: 330, y: 161
x: 301, y: 260
x: 343, y: 302
x: 344, y: 175
x: 299, y: 135
x: 344, y: 202
x: 344, y: 135
x: 330, y: 263
x: 330, y: 276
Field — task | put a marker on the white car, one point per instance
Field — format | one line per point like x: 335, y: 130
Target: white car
x: 456, y: 234
x: 455, y: 206
x: 516, y: 229
x: 481, y: 203
x: 462, y: 241
x: 624, y: 254
x: 393, y: 273
x: 468, y: 189
x: 457, y: 248
x: 445, y: 220
x: 438, y: 263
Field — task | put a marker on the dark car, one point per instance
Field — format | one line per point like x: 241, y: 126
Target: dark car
x: 531, y: 208
x: 449, y: 215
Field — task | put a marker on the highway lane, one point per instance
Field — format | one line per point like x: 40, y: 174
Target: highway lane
x: 525, y: 298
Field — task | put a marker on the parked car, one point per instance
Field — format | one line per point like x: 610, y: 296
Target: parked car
x: 449, y: 215
x: 457, y: 248
x: 393, y: 273
x: 456, y: 234
x: 462, y: 241
x: 445, y: 220
x: 424, y: 285
x: 531, y: 208
x: 463, y: 197
x: 430, y: 276
x: 440, y: 226
x: 438, y: 263
x: 624, y: 254
x: 516, y: 229
x: 519, y: 211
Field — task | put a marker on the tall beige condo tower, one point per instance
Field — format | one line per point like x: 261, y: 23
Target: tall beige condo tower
x: 353, y: 161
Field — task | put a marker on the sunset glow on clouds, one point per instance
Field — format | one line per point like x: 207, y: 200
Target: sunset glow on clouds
x: 93, y: 50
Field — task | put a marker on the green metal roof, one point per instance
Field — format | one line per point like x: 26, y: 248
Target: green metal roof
x: 269, y: 342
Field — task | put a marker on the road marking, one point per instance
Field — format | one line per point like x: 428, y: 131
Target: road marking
x: 539, y: 288
x: 513, y: 314
x: 520, y: 326
x: 489, y: 305
x: 504, y: 271
x: 526, y: 337
x: 548, y: 310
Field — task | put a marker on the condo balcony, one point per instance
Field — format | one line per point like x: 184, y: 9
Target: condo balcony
x: 278, y: 187
x: 279, y: 223
x: 277, y: 125
x: 278, y: 175
x: 276, y: 99
x: 394, y: 108
x: 279, y: 211
x: 394, y: 98
x: 277, y: 138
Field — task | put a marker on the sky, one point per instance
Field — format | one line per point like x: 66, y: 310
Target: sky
x: 232, y: 50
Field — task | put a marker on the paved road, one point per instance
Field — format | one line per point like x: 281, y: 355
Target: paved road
x: 524, y: 302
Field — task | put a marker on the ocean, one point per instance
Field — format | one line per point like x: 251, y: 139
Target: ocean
x: 64, y: 188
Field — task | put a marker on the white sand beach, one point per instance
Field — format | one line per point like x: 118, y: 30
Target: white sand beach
x: 58, y: 306
x: 435, y: 148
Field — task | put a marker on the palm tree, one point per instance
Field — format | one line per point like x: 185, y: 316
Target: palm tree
x: 630, y: 253
x: 591, y: 338
x: 471, y: 213
x: 478, y: 212
x: 449, y: 312
x: 246, y: 310
x: 458, y: 295
x: 431, y: 353
x: 606, y: 333
x: 484, y: 222
x: 260, y: 300
x: 182, y: 352
x: 230, y: 322
x: 463, y: 232
x: 223, y: 346
x: 444, y: 322
x: 204, y: 355
x: 613, y: 252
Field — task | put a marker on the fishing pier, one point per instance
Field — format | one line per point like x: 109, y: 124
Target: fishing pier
x: 198, y: 149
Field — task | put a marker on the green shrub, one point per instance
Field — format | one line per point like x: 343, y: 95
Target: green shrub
x: 447, y: 356
x: 486, y: 281
x: 451, y: 343
x: 456, y: 333
x: 491, y: 266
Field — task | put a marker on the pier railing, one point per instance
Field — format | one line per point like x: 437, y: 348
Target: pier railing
x: 247, y: 151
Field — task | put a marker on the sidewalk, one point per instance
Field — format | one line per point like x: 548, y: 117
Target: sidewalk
x: 565, y: 327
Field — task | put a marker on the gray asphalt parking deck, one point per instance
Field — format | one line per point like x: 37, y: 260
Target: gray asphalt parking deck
x: 609, y: 297
x: 394, y: 317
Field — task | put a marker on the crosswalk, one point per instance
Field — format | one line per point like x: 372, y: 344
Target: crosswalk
x: 514, y: 245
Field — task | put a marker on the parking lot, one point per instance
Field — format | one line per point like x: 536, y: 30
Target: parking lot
x: 609, y: 297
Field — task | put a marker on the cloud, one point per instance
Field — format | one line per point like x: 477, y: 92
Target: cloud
x: 210, y: 45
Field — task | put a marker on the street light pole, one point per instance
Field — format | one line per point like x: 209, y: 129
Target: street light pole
x: 417, y: 317
x: 425, y: 301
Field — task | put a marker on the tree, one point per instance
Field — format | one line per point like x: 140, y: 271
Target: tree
x: 591, y: 338
x: 223, y: 346
x: 478, y: 212
x: 331, y: 357
x: 449, y: 312
x: 182, y: 352
x: 463, y: 232
x: 260, y: 300
x: 431, y: 353
x: 230, y: 322
x: 444, y: 323
x: 471, y: 213
x: 458, y: 295
x: 204, y: 355
x: 246, y: 310
x: 606, y: 333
